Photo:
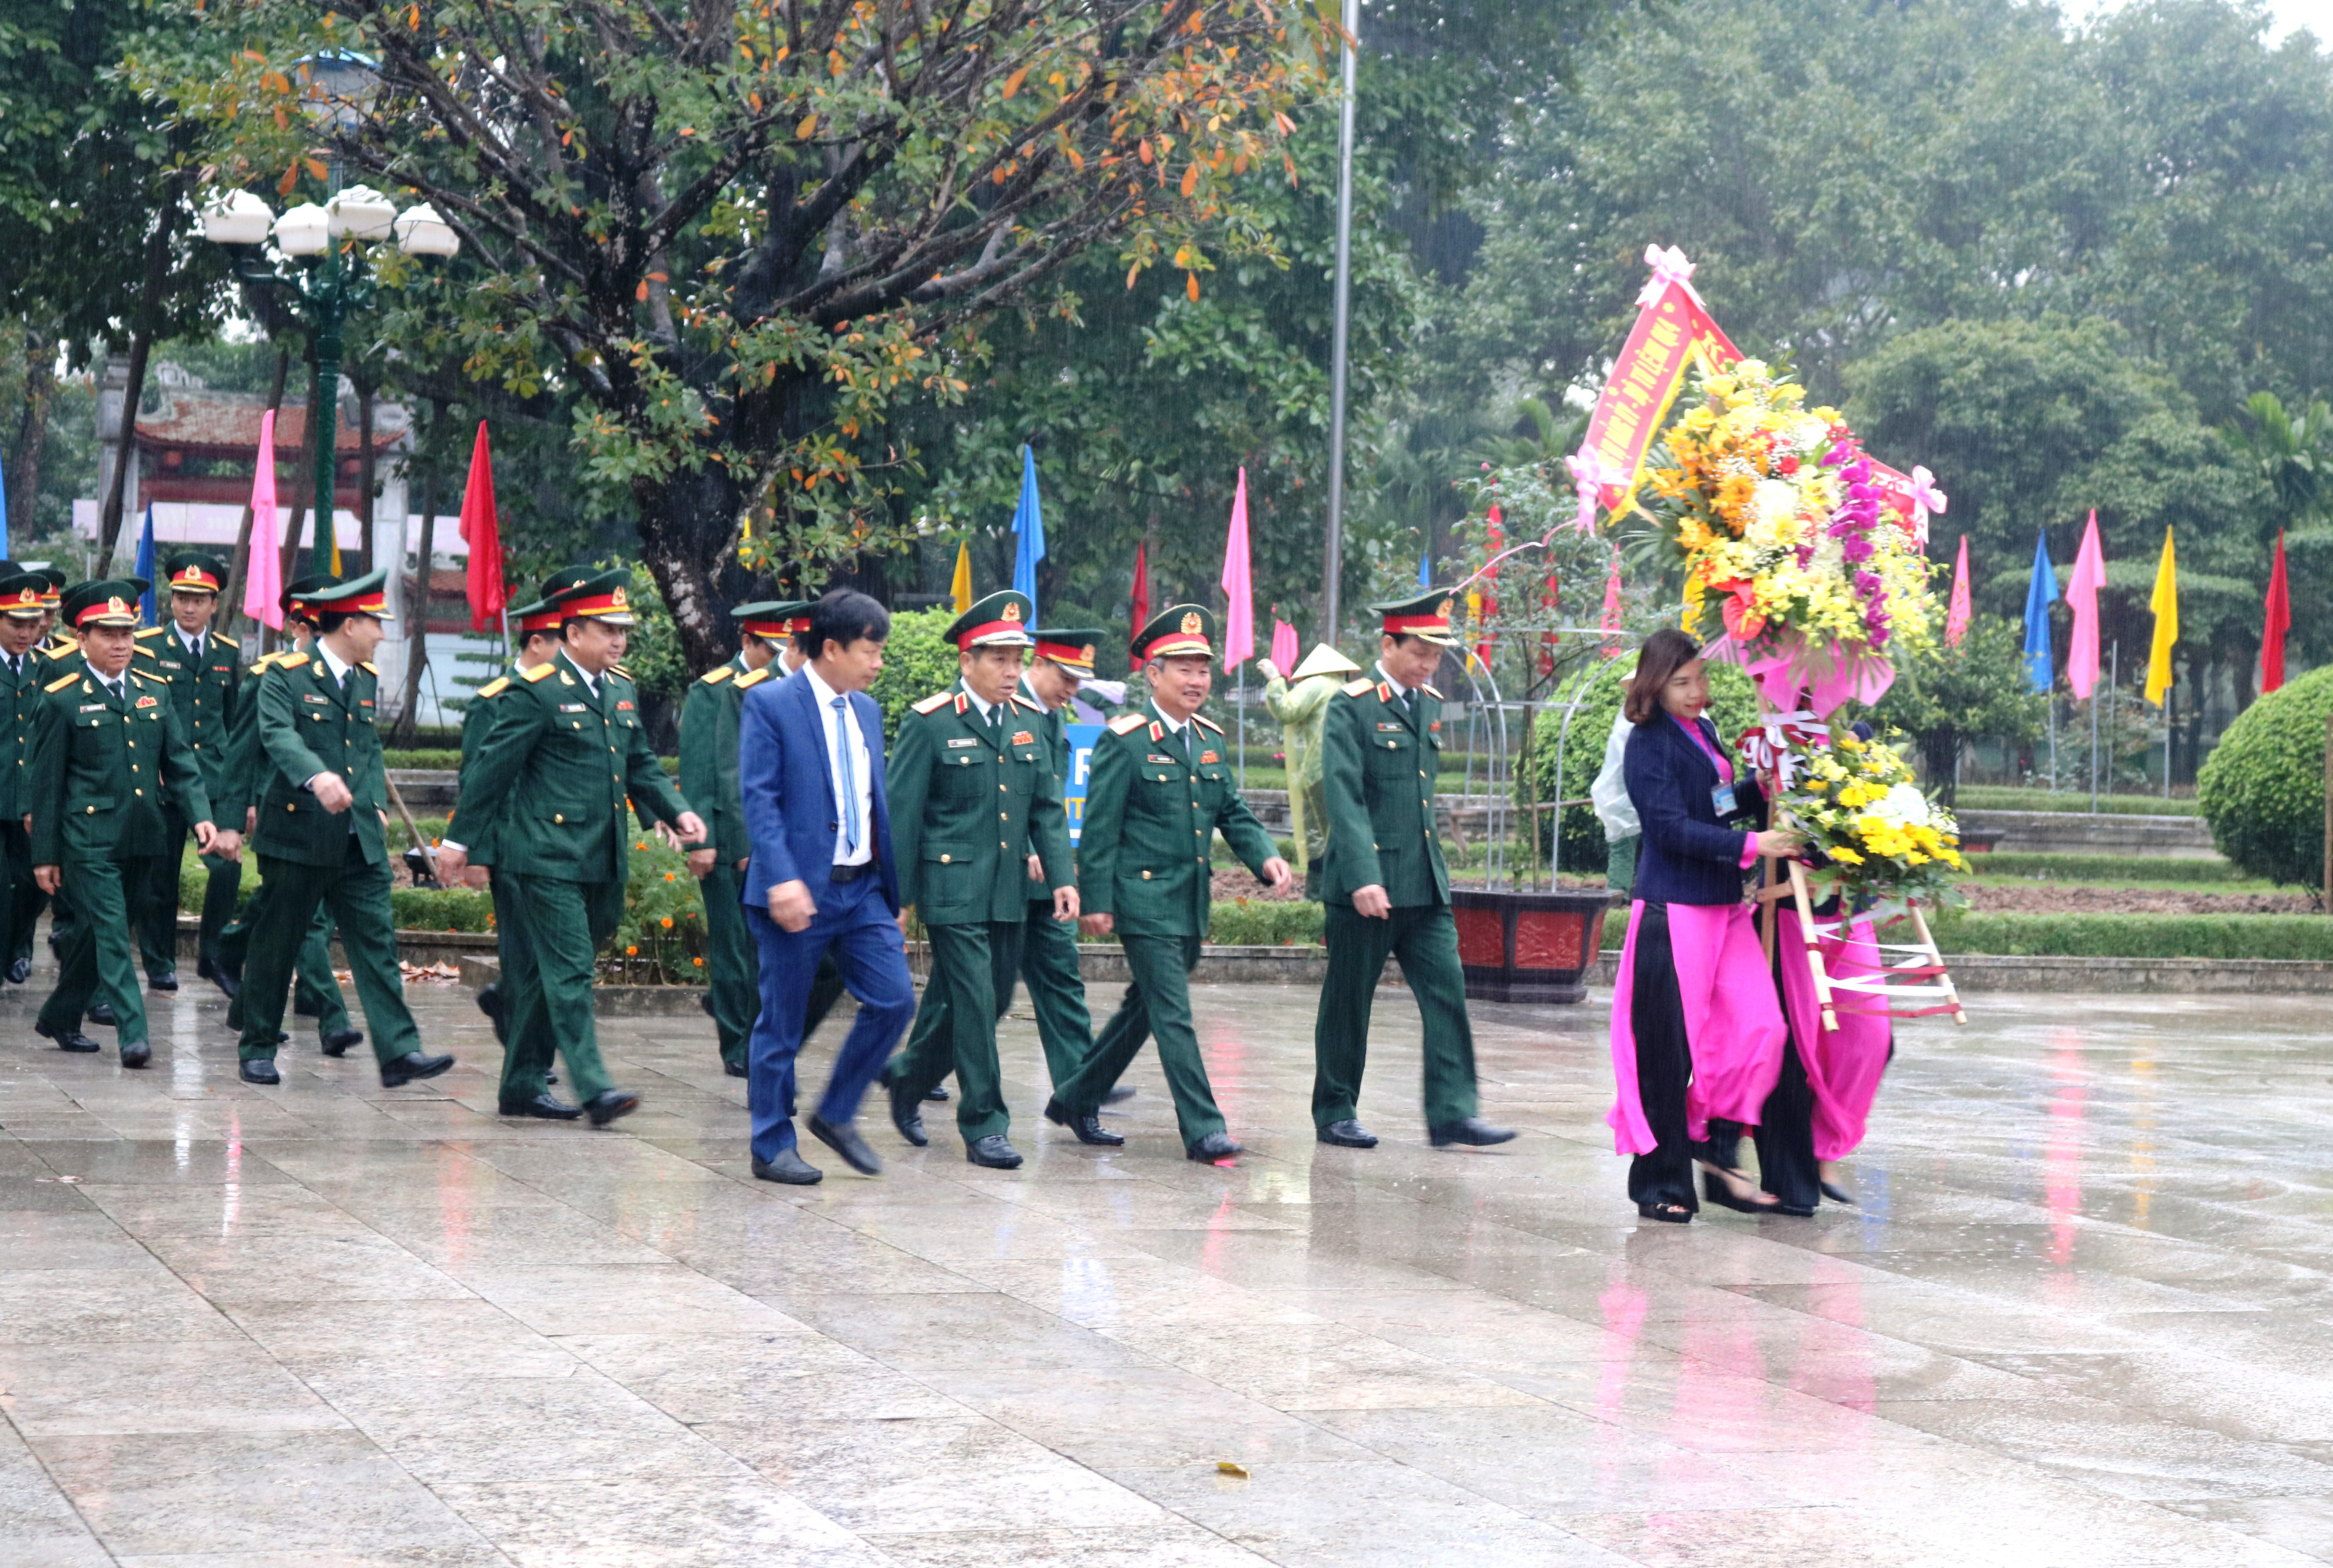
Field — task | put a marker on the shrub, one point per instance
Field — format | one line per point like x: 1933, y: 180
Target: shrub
x: 441, y: 909
x: 2043, y: 867
x: 2221, y: 936
x: 2262, y: 789
x: 917, y: 662
x: 1262, y: 923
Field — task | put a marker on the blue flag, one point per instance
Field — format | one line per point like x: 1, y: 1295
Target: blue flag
x: 1425, y: 568
x: 145, y: 568
x: 2040, y: 595
x: 1029, y: 524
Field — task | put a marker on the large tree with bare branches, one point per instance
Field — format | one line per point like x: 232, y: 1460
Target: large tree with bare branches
x: 733, y: 234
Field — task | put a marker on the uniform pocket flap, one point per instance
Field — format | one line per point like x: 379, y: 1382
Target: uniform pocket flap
x: 946, y: 853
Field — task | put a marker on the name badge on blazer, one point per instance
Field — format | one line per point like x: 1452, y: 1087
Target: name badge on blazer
x: 322, y: 701
x: 1383, y: 727
x: 962, y: 742
x: 1721, y: 797
x: 570, y: 707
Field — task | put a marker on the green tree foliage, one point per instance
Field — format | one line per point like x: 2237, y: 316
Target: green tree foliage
x: 2263, y: 788
x: 917, y: 662
x: 1976, y: 690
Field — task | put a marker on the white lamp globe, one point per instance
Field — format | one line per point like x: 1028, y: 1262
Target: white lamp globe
x: 303, y: 231
x: 236, y: 218
x: 420, y: 232
x: 359, y: 213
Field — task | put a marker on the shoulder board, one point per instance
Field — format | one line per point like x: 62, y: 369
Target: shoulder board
x: 1037, y: 708
x: 1125, y: 723
x: 151, y: 631
x: 1355, y: 688
x: 290, y: 661
x: 1203, y: 722
x: 753, y: 678
x: 1430, y: 692
x: 540, y: 673
x: 500, y: 682
x: 367, y: 667
x: 718, y: 674
x: 61, y: 683
x: 620, y: 670
x: 150, y: 680
x: 935, y: 702
x: 141, y: 649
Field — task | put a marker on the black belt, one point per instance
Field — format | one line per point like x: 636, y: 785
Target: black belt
x: 850, y: 873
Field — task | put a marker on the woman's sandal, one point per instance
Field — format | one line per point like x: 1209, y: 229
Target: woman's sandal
x: 1667, y: 1213
x: 1716, y: 1187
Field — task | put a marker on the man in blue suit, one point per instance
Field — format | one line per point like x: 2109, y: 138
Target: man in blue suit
x: 810, y: 770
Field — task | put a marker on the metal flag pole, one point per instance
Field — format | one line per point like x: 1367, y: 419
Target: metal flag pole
x: 1242, y: 725
x: 1334, y: 553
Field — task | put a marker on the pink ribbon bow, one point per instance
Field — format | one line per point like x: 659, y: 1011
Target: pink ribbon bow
x: 1669, y: 266
x: 1926, y: 498
x: 1589, y: 475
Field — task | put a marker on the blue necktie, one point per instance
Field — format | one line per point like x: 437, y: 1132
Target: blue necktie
x: 847, y: 783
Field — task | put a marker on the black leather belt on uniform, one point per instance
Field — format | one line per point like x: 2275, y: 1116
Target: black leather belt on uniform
x: 850, y: 873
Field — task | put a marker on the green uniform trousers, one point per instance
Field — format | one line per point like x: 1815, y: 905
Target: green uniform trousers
x: 517, y: 983
x: 315, y: 989
x: 158, y: 940
x: 1057, y: 994
x: 21, y: 899
x: 1425, y: 939
x: 973, y: 969
x: 28, y: 903
x: 733, y: 967
x: 97, y: 960
x: 356, y: 895
x: 556, y: 929
x: 1159, y: 1002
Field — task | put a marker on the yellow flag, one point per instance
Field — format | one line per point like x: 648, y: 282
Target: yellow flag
x: 2165, y: 603
x: 962, y: 586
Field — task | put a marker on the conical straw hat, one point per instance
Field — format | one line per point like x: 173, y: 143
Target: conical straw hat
x: 1324, y: 660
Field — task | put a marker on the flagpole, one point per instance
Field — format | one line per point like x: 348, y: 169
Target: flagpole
x: 1242, y: 726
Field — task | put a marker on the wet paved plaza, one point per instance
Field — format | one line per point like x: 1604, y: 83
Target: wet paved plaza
x: 2082, y: 1316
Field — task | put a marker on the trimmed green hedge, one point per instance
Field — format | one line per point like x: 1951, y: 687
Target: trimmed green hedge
x: 2263, y: 788
x: 445, y: 762
x: 2114, y: 868
x: 2005, y: 798
x: 441, y: 909
x: 2300, y: 936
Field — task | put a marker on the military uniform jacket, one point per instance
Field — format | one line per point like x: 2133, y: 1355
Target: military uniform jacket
x: 709, y: 752
x: 1378, y: 770
x: 971, y: 799
x: 1151, y: 815
x: 310, y: 723
x: 203, y: 692
x: 103, y: 767
x: 477, y: 834
x: 20, y: 698
x: 556, y: 771
x: 1053, y: 727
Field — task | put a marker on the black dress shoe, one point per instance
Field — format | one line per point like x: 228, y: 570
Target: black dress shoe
x: 907, y: 1116
x: 300, y: 1009
x: 20, y: 971
x: 846, y: 1141
x: 137, y: 1053
x: 995, y: 1151
x: 1469, y: 1130
x: 543, y: 1107
x: 410, y: 1066
x: 229, y: 982
x: 1213, y: 1146
x: 1088, y: 1128
x: 1346, y: 1134
x: 1838, y: 1194
x: 1118, y: 1095
x: 167, y: 984
x: 789, y: 1168
x: 610, y: 1104
x: 338, y: 1042
x: 103, y: 1015
x: 735, y: 1069
x: 69, y: 1040
x: 490, y: 1002
x: 937, y: 1095
x: 260, y: 1070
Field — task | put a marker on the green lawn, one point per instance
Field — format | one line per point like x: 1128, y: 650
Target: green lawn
x: 2000, y: 797
x: 2121, y: 870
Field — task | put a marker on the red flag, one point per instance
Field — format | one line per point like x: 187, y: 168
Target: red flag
x: 1141, y: 593
x: 2279, y: 621
x: 1486, y: 598
x: 1956, y: 617
x: 482, y: 533
x: 1549, y: 599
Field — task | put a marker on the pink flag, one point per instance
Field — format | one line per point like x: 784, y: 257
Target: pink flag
x: 262, y: 573
x: 1239, y: 617
x: 1284, y: 651
x: 1956, y: 618
x: 2082, y: 594
x: 1611, y: 623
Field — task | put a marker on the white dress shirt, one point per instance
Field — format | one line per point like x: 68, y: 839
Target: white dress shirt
x: 1401, y: 691
x: 843, y: 730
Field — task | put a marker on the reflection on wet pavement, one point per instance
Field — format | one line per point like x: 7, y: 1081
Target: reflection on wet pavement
x: 2081, y: 1316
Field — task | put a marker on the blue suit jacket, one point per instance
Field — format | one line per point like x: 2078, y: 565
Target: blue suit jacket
x: 1688, y: 857
x: 791, y: 813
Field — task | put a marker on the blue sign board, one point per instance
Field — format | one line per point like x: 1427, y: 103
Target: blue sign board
x: 1082, y: 737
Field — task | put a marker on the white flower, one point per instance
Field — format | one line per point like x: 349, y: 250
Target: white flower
x: 1903, y: 806
x: 1775, y: 504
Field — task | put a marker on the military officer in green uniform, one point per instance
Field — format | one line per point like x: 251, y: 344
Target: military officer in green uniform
x: 968, y: 877
x: 1159, y: 792
x: 320, y: 839
x: 1385, y: 885
x: 21, y: 675
x: 106, y: 754
x: 204, y: 670
x: 562, y: 759
x: 709, y: 777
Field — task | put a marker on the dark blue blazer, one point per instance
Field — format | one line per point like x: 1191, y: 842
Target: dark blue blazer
x: 790, y: 812
x: 1688, y: 856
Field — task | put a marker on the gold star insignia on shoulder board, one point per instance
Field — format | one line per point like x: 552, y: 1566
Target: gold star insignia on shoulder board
x: 1430, y: 692
x: 292, y: 661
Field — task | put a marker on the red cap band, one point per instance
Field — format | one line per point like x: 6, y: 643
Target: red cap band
x: 776, y: 630
x: 107, y: 609
x: 1409, y: 625
x: 607, y: 604
x: 971, y: 638
x: 541, y: 621
x: 375, y: 602
x: 194, y: 579
x: 1080, y: 657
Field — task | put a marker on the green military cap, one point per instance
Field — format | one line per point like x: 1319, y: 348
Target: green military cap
x: 22, y: 593
x: 1424, y: 615
x: 1071, y: 648
x: 534, y: 620
x: 297, y: 598
x: 357, y: 596
x: 51, y: 576
x: 604, y: 595
x: 193, y: 571
x: 1174, y: 631
x: 999, y: 621
x: 104, y: 602
x: 774, y: 619
x: 566, y: 580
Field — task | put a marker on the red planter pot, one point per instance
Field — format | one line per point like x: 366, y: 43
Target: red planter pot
x: 1529, y: 947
